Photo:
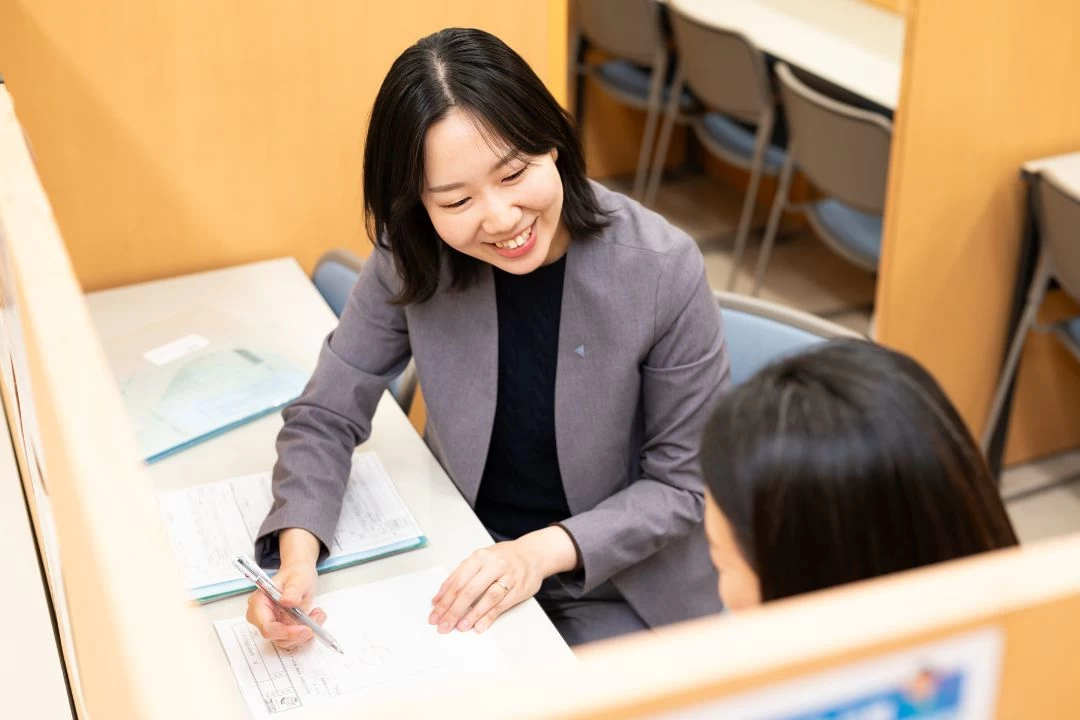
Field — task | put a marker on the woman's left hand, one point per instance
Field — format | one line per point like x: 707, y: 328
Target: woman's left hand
x: 496, y: 578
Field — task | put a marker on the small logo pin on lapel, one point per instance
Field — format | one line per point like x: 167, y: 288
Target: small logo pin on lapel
x: 580, y: 350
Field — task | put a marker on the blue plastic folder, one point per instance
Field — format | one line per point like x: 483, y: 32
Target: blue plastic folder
x: 195, y: 376
x: 210, y: 394
x: 209, y: 593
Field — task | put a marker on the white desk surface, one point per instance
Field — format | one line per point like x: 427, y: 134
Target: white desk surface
x: 30, y: 667
x: 278, y: 298
x: 850, y: 43
x: 1065, y: 169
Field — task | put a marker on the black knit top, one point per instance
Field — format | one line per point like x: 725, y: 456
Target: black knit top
x: 521, y: 489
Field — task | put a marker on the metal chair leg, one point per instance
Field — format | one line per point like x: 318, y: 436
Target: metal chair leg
x: 656, y: 87
x: 665, y: 135
x: 578, y: 47
x: 779, y: 203
x: 764, y: 132
x: 1012, y: 359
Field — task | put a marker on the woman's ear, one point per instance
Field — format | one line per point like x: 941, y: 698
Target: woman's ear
x: 554, y: 154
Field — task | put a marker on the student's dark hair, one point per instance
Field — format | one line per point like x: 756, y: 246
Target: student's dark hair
x: 478, y: 73
x: 847, y: 462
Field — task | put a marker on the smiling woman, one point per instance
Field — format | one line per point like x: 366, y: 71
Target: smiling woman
x: 568, y: 345
x: 465, y: 144
x: 503, y: 207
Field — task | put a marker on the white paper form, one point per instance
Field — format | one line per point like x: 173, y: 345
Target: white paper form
x: 388, y: 645
x: 210, y: 524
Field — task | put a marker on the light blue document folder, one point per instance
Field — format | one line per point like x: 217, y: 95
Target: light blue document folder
x: 209, y: 593
x: 211, y: 374
x: 207, y: 395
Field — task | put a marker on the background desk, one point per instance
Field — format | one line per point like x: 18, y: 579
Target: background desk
x: 278, y: 299
x: 1065, y: 169
x: 849, y: 43
x: 30, y: 668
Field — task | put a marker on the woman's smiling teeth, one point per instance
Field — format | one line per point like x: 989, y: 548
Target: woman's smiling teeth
x: 516, y: 242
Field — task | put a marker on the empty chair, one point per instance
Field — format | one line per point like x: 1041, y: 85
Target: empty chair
x: 730, y: 77
x: 843, y: 151
x: 759, y: 332
x: 334, y: 276
x: 630, y: 32
x: 1057, y: 212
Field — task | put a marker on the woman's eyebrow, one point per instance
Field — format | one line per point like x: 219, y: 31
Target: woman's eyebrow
x: 455, y: 185
x: 510, y: 155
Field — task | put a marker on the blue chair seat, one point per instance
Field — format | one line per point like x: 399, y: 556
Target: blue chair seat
x: 626, y: 78
x: 739, y: 141
x: 858, y: 232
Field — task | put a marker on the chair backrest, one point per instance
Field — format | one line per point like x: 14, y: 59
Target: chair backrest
x: 628, y: 29
x: 759, y: 332
x: 843, y: 150
x: 722, y: 67
x: 335, y: 274
x: 1059, y: 221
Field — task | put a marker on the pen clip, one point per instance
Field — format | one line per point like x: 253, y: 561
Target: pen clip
x: 255, y: 574
x: 248, y: 566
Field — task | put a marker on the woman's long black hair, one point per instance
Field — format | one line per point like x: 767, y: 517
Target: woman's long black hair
x: 844, y: 463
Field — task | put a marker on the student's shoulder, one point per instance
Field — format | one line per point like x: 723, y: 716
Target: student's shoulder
x: 638, y: 231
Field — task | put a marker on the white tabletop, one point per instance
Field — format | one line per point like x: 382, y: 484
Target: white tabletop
x: 30, y: 666
x: 1065, y: 170
x: 277, y: 298
x: 850, y: 43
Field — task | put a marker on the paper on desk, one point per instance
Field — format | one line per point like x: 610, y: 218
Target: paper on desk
x: 388, y: 645
x: 210, y: 524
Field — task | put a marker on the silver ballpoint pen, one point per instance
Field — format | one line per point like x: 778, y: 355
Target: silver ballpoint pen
x: 255, y: 574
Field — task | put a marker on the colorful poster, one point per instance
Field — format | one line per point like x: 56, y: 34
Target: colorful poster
x: 952, y: 680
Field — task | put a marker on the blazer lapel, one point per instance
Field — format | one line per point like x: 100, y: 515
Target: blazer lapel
x: 462, y: 377
x: 586, y: 372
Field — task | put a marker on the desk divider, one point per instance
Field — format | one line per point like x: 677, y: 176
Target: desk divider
x: 133, y: 632
x: 1029, y: 596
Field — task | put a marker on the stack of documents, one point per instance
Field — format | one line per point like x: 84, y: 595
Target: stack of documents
x: 196, y: 375
x: 388, y: 646
x: 210, y: 524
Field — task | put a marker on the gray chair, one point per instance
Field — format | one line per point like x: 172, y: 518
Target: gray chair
x: 630, y: 32
x: 1057, y: 212
x: 844, y: 152
x: 334, y: 276
x: 759, y: 332
x: 730, y: 77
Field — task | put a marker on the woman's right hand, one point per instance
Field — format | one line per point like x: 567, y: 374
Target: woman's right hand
x: 296, y: 579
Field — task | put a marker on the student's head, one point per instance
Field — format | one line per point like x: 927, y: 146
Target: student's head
x: 466, y: 146
x: 839, y: 464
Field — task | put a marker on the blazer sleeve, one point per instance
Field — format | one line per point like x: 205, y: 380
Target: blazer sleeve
x: 684, y: 373
x: 369, y: 347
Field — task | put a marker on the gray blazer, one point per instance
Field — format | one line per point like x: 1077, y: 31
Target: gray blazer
x: 641, y: 360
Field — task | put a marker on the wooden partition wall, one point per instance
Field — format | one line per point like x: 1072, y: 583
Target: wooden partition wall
x: 127, y: 630
x: 985, y: 88
x: 178, y: 136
